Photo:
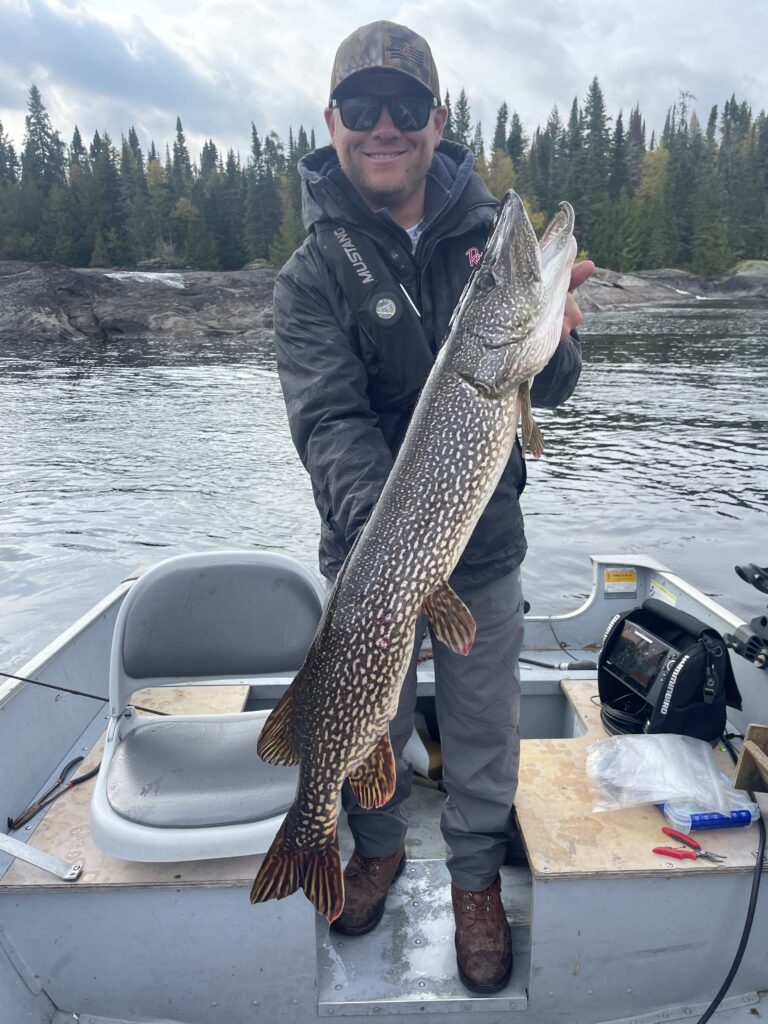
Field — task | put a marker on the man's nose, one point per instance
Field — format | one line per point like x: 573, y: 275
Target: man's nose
x: 385, y: 125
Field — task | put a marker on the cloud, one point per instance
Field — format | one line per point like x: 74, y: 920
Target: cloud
x: 220, y: 64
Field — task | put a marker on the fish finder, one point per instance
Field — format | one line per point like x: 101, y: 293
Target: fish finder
x: 662, y: 670
x: 638, y: 658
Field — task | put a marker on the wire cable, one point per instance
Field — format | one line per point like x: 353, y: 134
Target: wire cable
x: 751, y: 907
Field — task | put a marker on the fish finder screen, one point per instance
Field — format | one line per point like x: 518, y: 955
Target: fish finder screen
x: 637, y: 656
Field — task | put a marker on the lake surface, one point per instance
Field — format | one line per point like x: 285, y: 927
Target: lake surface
x: 117, y: 455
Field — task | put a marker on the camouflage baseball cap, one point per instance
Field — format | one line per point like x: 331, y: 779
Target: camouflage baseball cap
x: 388, y: 46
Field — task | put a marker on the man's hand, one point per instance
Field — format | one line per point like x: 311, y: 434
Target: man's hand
x: 573, y: 315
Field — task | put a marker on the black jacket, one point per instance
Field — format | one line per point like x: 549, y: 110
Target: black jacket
x: 348, y: 401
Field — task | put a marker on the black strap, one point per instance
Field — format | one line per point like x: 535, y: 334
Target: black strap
x: 378, y: 302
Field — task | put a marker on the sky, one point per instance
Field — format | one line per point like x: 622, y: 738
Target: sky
x: 222, y: 64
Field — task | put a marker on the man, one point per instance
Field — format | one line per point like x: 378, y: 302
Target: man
x: 397, y: 220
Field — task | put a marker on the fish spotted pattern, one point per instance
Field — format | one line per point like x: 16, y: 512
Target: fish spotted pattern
x: 334, y: 718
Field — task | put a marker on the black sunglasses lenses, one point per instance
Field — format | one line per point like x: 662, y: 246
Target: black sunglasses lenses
x: 408, y: 113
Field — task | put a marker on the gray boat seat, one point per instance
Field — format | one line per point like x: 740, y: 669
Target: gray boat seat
x: 189, y: 787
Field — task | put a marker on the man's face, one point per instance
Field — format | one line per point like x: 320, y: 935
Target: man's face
x: 388, y: 167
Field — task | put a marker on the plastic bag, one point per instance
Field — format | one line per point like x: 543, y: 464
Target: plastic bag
x: 626, y: 771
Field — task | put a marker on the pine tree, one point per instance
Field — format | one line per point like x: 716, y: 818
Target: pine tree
x: 461, y: 120
x: 106, y: 213
x: 181, y: 167
x: 477, y: 145
x: 209, y: 161
x: 574, y: 156
x: 635, y: 146
x: 42, y: 159
x: 596, y: 166
x: 618, y: 177
x: 228, y: 230
x: 517, y: 143
x: 500, y: 131
x: 77, y: 154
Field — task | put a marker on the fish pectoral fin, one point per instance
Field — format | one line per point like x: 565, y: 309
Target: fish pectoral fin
x: 450, y: 619
x: 276, y: 744
x: 533, y: 442
x: 373, y: 782
x: 318, y: 872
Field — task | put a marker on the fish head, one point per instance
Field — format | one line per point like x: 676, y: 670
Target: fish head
x: 508, y: 321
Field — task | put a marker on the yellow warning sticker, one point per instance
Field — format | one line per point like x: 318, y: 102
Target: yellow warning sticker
x: 620, y: 580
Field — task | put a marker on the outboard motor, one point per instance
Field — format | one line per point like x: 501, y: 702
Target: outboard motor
x: 751, y: 641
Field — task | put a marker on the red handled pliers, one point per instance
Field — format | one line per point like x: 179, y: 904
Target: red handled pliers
x: 692, y: 853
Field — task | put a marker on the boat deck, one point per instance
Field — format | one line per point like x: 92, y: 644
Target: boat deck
x: 562, y: 835
x: 602, y: 929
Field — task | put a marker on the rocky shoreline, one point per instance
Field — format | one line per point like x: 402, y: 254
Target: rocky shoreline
x: 45, y: 301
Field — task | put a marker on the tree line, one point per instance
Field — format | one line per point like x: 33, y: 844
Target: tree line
x: 695, y: 197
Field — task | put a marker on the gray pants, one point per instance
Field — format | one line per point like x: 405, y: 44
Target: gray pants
x: 478, y: 709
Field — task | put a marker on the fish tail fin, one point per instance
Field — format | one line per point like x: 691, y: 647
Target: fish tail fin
x: 287, y: 868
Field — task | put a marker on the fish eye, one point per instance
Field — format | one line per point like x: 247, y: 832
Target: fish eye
x: 485, y: 280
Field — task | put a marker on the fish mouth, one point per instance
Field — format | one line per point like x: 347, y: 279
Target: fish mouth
x: 512, y: 246
x: 513, y: 253
x: 557, y: 240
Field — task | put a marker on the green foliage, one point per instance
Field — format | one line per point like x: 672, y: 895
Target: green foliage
x: 500, y: 173
x: 697, y: 200
x: 291, y: 233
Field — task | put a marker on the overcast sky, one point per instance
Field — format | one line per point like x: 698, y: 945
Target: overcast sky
x: 220, y: 64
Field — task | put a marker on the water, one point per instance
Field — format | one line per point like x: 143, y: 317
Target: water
x: 118, y: 455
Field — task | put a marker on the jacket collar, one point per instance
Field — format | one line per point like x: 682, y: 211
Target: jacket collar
x: 327, y: 193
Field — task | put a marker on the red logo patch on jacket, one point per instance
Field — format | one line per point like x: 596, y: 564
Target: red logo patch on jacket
x: 474, y: 256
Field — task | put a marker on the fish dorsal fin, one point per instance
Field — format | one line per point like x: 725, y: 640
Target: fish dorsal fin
x: 373, y: 781
x: 450, y: 619
x: 276, y: 744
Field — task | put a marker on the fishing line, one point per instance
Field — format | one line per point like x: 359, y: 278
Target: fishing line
x: 76, y: 693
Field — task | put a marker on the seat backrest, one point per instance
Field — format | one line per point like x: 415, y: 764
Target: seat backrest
x: 225, y: 614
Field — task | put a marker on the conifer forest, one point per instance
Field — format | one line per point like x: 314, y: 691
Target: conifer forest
x: 692, y: 195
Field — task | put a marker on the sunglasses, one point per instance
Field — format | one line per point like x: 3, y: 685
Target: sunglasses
x: 408, y: 113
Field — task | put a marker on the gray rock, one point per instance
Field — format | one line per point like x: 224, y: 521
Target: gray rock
x: 608, y: 289
x: 48, y: 302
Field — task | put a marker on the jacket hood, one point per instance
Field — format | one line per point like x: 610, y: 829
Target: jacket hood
x: 327, y: 193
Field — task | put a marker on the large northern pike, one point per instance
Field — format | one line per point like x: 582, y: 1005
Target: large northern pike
x: 334, y: 718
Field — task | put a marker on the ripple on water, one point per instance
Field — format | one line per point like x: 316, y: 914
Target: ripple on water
x: 125, y: 453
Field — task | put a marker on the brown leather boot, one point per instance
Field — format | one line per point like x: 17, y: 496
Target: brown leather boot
x: 366, y: 884
x: 483, y: 940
